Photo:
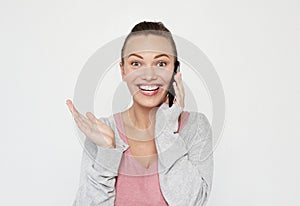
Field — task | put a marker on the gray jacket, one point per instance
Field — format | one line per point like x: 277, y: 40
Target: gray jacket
x: 185, y: 162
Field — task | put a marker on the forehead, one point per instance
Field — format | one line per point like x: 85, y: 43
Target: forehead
x: 143, y: 43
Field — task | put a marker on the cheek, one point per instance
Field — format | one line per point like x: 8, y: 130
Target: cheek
x: 167, y: 78
x: 132, y: 88
x: 131, y: 78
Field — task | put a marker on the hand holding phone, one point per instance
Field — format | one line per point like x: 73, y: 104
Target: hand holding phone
x: 171, y: 91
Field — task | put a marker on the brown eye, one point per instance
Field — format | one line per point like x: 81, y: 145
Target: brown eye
x: 134, y: 63
x: 161, y: 63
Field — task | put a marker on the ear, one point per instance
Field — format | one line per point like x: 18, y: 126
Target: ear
x: 122, y: 70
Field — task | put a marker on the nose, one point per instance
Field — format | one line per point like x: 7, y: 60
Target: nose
x: 149, y: 74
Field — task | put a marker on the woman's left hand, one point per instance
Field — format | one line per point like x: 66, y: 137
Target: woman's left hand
x: 179, y: 91
x: 168, y: 116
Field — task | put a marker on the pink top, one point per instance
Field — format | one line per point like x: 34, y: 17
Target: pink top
x: 135, y: 184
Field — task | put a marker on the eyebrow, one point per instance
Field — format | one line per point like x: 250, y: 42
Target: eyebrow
x: 157, y: 56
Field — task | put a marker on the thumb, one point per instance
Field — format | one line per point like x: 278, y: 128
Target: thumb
x: 167, y: 99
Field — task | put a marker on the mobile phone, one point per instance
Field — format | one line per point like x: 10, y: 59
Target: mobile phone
x: 171, y: 91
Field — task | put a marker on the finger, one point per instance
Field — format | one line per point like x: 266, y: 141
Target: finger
x: 181, y: 87
x: 72, y: 109
x: 80, y: 125
x: 178, y: 97
x: 91, y: 117
x: 179, y: 82
x: 68, y: 101
x: 94, y: 119
x: 79, y: 121
x: 78, y: 116
x: 177, y: 92
x: 180, y: 92
x: 102, y: 127
x: 85, y: 121
x: 69, y: 104
x: 177, y: 101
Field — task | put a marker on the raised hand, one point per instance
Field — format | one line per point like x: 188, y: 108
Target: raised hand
x: 97, y: 131
x: 168, y: 116
x: 179, y: 91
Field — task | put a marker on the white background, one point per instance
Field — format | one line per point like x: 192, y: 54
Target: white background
x: 254, y: 46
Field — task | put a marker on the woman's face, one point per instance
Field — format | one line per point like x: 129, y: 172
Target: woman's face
x: 148, y: 68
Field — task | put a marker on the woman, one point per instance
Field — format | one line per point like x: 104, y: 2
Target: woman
x: 149, y: 154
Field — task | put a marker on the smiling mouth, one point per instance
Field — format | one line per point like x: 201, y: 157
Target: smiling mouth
x: 149, y: 87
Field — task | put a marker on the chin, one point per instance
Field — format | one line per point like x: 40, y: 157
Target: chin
x: 148, y: 102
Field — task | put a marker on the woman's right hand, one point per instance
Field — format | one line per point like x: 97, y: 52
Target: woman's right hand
x: 97, y: 131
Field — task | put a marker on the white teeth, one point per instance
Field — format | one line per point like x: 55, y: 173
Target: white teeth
x: 148, y: 87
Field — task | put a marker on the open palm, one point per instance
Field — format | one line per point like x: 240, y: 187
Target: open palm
x: 97, y: 131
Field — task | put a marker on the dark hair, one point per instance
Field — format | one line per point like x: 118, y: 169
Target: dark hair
x: 145, y: 28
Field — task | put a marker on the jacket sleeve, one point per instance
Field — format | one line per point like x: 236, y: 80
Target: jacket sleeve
x: 99, y: 168
x: 185, y: 170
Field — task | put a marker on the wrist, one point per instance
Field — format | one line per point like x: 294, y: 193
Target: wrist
x: 107, y: 146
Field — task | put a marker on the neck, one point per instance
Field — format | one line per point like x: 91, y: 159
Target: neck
x: 142, y: 117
